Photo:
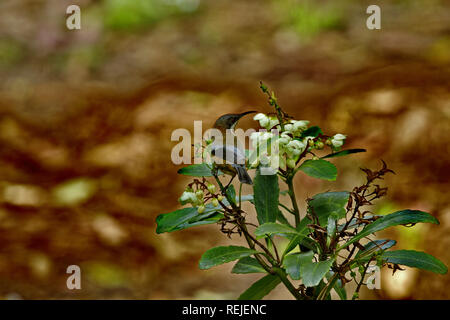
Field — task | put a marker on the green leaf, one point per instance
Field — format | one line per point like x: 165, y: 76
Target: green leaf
x: 197, y: 170
x: 319, y: 169
x: 261, y: 288
x: 220, y: 255
x: 313, y: 272
x: 282, y: 219
x: 301, y: 266
x: 397, y: 218
x: 340, y: 290
x: 266, y: 193
x: 329, y: 204
x: 299, y: 238
x: 247, y: 197
x: 294, y: 262
x: 415, y: 259
x: 331, y: 226
x: 213, y: 217
x: 268, y: 229
x: 313, y: 131
x: 231, y: 193
x: 170, y: 221
x: 189, y: 217
x: 343, y: 153
x: 248, y: 265
x: 373, y: 247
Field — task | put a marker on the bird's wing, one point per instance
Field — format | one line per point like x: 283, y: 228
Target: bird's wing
x: 230, y: 154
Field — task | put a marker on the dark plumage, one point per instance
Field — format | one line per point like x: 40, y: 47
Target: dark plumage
x: 229, y: 121
x: 234, y: 159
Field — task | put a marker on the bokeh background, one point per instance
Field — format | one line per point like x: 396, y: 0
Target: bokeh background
x: 86, y: 118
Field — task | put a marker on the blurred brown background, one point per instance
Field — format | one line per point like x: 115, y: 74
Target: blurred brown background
x: 86, y: 118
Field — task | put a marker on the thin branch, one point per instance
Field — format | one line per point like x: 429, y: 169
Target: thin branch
x: 286, y: 208
x: 356, y: 293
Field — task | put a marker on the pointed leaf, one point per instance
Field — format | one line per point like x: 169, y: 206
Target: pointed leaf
x: 189, y: 217
x: 220, y: 255
x: 329, y: 204
x: 299, y: 238
x: 397, y: 218
x: 170, y: 221
x: 197, y: 170
x: 248, y: 265
x: 331, y: 226
x: 313, y: 272
x: 415, y: 259
x: 340, y: 290
x: 343, y: 153
x: 266, y: 193
x: 267, y: 229
x: 294, y: 262
x: 373, y: 247
x: 319, y: 169
x: 313, y: 131
x: 231, y: 193
x: 282, y: 219
x: 212, y: 218
x: 261, y: 288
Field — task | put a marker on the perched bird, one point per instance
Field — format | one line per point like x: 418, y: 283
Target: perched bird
x: 233, y: 156
x: 229, y: 121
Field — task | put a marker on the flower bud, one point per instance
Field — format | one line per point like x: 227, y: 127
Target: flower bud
x: 337, y: 143
x: 259, y: 116
x: 339, y: 136
x: 315, y: 158
x: 220, y: 197
x: 301, y: 125
x: 201, y: 209
x: 273, y: 121
x: 215, y: 202
x: 284, y: 141
x: 263, y: 119
x: 289, y: 127
x: 187, y: 197
x: 311, y: 143
x: 320, y: 145
x: 211, y: 188
x: 264, y: 122
x: 199, y: 194
x: 328, y: 142
x: 291, y: 163
x: 295, y: 147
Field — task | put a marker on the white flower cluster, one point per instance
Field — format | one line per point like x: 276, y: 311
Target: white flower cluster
x: 338, y: 140
x: 265, y: 121
x: 289, y: 145
x: 197, y: 198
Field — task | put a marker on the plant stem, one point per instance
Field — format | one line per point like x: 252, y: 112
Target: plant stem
x: 282, y: 275
x: 251, y: 241
x: 356, y: 293
x: 296, y: 212
x: 326, y: 290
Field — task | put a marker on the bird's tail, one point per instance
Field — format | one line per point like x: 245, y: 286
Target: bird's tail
x: 243, y: 174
